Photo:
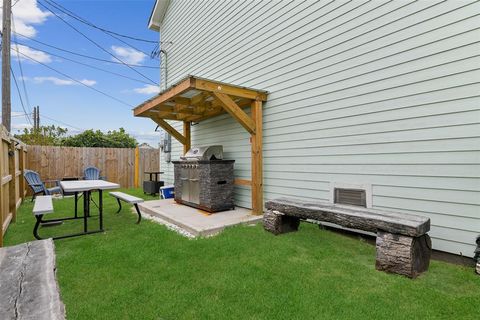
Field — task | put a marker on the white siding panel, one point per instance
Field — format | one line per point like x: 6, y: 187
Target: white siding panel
x: 360, y: 92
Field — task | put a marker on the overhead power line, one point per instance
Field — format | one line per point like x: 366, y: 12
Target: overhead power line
x: 79, y: 54
x: 88, y: 65
x: 13, y: 5
x: 95, y: 43
x: 85, y: 21
x: 20, y: 96
x: 75, y: 80
x: 62, y: 122
x: 20, y: 66
x: 112, y: 34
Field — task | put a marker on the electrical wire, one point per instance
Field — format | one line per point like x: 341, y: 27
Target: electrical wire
x: 88, y: 23
x: 77, y: 81
x: 62, y: 122
x: 13, y: 5
x: 87, y: 65
x: 77, y: 17
x: 95, y: 43
x: 76, y: 128
x: 20, y: 67
x: 79, y: 54
x: 20, y: 96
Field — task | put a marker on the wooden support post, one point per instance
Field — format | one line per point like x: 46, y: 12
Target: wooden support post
x: 12, y: 202
x: 137, y: 167
x: 187, y: 134
x: 257, y: 159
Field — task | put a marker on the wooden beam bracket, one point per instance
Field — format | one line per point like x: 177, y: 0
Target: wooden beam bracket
x: 171, y: 130
x: 235, y: 111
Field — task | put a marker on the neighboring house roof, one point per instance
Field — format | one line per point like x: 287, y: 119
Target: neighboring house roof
x: 146, y: 146
x: 157, y: 15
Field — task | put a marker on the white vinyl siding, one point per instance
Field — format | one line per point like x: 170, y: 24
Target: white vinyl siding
x: 360, y: 92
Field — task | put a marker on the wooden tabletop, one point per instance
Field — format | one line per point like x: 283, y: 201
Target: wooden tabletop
x: 86, y: 185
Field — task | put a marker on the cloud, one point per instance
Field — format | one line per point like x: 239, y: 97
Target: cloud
x: 63, y: 82
x: 40, y: 56
x: 128, y: 55
x: 26, y: 13
x: 147, y: 89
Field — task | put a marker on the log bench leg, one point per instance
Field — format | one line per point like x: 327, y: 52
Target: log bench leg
x: 278, y: 223
x: 408, y: 256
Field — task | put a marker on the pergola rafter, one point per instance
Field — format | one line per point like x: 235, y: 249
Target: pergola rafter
x: 196, y: 99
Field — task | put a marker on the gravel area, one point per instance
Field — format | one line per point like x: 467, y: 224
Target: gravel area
x: 170, y: 226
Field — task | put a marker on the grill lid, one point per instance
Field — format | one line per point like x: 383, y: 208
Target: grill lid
x: 204, y: 153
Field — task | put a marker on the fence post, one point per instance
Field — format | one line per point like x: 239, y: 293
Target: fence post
x: 2, y: 197
x: 12, y: 203
x: 137, y: 167
x: 21, y: 168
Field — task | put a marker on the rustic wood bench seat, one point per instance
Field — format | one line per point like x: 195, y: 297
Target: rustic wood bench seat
x: 120, y: 196
x: 28, y: 282
x: 403, y: 245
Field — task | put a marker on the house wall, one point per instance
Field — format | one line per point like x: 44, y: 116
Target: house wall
x: 375, y: 93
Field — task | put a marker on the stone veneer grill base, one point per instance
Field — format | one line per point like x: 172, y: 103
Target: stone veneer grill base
x: 215, y: 184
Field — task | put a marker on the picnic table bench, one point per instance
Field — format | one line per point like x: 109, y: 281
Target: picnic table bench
x: 403, y: 245
x: 120, y: 196
x: 28, y: 283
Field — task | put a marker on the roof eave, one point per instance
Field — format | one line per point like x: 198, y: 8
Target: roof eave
x: 158, y: 14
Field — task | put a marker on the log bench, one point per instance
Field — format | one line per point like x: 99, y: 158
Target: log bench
x: 28, y: 285
x: 120, y: 196
x: 403, y: 245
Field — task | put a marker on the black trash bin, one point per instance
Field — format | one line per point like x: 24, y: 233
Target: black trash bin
x: 153, y: 184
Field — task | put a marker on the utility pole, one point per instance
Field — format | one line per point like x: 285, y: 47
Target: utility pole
x: 6, y: 99
x: 34, y: 118
x: 38, y: 117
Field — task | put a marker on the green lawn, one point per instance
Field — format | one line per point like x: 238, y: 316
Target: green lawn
x: 148, y: 272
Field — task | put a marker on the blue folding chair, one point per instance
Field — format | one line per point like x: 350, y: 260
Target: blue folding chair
x: 38, y: 186
x: 92, y: 173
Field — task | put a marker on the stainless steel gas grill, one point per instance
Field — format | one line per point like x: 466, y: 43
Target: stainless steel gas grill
x: 204, y: 180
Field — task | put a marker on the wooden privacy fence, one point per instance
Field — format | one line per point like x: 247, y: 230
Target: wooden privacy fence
x: 13, y: 188
x: 121, y: 165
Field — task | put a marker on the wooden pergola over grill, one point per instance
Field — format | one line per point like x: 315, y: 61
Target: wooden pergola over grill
x: 196, y: 99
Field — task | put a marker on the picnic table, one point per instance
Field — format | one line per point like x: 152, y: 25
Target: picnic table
x: 87, y: 186
x: 44, y: 204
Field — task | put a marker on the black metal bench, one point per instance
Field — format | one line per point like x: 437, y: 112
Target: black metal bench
x: 28, y: 284
x: 120, y: 196
x: 403, y: 245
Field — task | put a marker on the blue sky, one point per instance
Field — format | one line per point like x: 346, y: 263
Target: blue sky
x: 67, y: 101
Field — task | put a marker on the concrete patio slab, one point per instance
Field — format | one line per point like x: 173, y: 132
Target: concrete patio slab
x: 197, y: 222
